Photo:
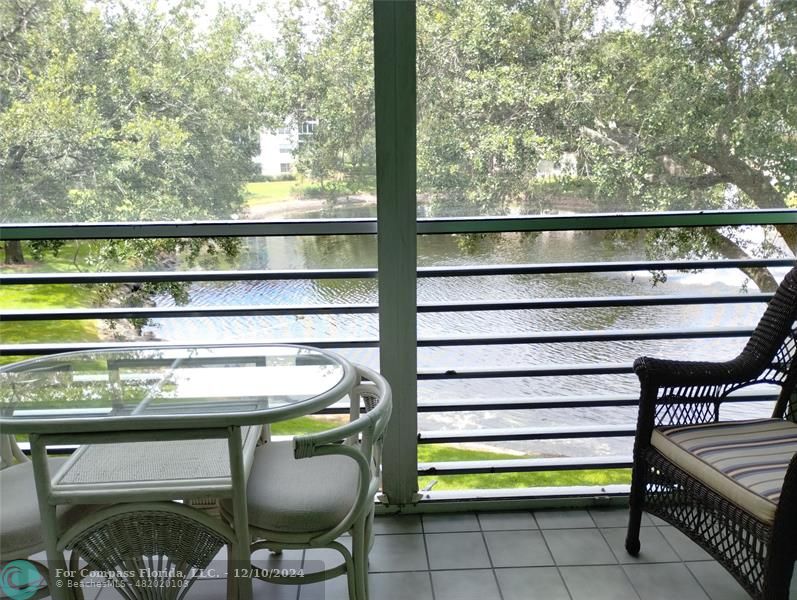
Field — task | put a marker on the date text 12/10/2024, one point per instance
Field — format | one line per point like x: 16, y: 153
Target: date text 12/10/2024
x: 166, y: 578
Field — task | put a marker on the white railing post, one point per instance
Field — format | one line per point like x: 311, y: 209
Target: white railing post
x: 394, y: 82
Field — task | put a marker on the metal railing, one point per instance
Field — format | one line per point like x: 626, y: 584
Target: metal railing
x: 456, y: 372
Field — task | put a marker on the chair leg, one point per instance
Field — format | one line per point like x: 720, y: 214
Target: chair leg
x: 360, y: 544
x: 636, y: 498
x: 778, y: 568
x: 351, y: 572
x: 74, y: 568
x: 232, y: 587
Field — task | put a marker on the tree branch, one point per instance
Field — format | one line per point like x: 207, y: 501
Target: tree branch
x: 742, y: 6
x: 752, y: 182
x: 21, y: 22
x: 604, y: 140
x: 695, y: 182
x: 729, y: 248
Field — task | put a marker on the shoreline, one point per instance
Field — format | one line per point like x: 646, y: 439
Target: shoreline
x: 289, y: 208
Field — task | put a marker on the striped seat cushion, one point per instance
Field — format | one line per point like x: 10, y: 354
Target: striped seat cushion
x: 744, y: 461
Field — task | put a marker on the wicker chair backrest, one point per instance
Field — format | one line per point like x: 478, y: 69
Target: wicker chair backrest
x: 770, y: 353
x: 776, y: 327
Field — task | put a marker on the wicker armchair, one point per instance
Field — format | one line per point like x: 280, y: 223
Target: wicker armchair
x: 306, y: 492
x: 730, y: 486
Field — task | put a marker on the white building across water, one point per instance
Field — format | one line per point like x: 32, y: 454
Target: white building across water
x: 278, y: 147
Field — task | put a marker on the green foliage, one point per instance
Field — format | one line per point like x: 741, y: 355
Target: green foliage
x: 267, y: 178
x: 322, y: 70
x: 119, y: 111
x: 122, y: 112
x: 687, y: 108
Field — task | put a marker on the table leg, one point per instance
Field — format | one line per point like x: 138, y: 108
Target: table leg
x: 240, y: 558
x: 56, y: 564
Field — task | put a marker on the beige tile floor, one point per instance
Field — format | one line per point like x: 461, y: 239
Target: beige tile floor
x: 524, y: 555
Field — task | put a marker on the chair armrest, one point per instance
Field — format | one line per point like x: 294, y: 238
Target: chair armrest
x: 678, y: 392
x: 357, y: 440
x: 686, y: 373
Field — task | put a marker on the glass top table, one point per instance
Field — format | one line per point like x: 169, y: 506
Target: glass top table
x: 171, y: 387
x: 160, y: 423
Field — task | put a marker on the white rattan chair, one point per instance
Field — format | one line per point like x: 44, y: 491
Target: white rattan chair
x: 306, y: 492
x: 148, y: 550
x: 20, y: 525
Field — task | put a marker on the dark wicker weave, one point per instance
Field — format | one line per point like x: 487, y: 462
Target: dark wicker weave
x: 759, y: 555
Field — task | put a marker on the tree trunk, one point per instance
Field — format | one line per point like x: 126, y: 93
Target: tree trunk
x: 14, y: 254
x: 755, y: 184
x: 761, y: 276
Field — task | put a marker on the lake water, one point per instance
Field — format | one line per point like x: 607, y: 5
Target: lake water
x: 360, y: 251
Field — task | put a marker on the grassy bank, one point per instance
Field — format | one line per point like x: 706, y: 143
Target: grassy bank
x: 45, y: 296
x: 445, y: 453
x: 259, y: 193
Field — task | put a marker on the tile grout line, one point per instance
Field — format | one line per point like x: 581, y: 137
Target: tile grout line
x: 621, y: 565
x: 699, y: 582
x: 489, y: 558
x: 555, y: 564
x: 428, y: 562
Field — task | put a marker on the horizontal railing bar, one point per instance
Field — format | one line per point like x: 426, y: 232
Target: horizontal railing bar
x: 593, y: 302
x: 532, y: 338
x: 369, y: 308
x: 560, y: 337
x: 185, y: 311
x: 533, y: 403
x: 187, y: 276
x: 352, y: 226
x: 601, y: 267
x: 44, y: 349
x: 524, y: 433
x: 607, y: 221
x: 521, y: 465
x: 554, y: 402
x: 538, y: 371
x: 178, y: 229
x: 564, y: 496
x: 370, y: 273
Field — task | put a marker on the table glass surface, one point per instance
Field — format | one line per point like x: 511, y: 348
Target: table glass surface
x: 164, y: 382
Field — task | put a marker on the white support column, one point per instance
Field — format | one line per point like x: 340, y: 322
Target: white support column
x: 394, y: 80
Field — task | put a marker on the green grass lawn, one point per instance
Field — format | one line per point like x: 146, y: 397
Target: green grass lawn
x: 259, y: 193
x: 43, y: 297
x: 445, y: 453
